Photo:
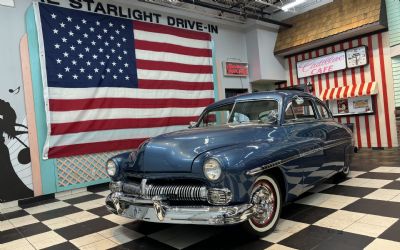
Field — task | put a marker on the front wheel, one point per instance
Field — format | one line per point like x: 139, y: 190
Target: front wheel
x: 266, y: 196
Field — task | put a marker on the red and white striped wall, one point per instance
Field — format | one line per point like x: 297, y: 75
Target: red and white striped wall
x: 378, y: 130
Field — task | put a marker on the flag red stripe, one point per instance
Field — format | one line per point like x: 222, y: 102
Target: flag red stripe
x: 171, y: 66
x: 94, y: 147
x: 165, y: 84
x: 384, y: 90
x: 110, y: 124
x: 139, y: 103
x: 164, y: 29
x: 172, y: 48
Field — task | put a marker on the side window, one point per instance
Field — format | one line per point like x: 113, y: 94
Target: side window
x: 216, y: 116
x: 289, y: 114
x: 323, y: 111
x: 300, y: 111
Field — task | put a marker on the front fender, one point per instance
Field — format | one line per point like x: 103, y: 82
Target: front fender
x: 237, y: 160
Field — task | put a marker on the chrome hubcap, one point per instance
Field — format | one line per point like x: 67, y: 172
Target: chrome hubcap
x: 265, y: 205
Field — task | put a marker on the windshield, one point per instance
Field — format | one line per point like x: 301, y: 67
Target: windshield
x: 262, y: 111
x: 216, y: 117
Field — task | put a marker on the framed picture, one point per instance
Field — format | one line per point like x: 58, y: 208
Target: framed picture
x: 343, y: 106
x: 356, y: 57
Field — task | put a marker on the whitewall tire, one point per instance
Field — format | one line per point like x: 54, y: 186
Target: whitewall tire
x: 267, y: 194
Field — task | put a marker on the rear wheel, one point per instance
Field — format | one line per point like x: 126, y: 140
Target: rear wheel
x: 346, y: 167
x: 267, y: 198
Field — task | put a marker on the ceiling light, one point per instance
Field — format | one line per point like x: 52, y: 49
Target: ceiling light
x: 288, y: 6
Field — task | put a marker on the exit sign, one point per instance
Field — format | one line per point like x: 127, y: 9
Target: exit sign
x: 240, y: 69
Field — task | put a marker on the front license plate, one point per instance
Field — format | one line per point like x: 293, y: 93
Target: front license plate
x: 136, y: 212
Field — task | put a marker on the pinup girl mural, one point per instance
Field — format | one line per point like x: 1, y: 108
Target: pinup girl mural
x: 11, y: 186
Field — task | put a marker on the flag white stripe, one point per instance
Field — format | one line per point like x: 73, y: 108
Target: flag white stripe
x: 109, y: 135
x: 111, y: 92
x: 171, y: 39
x: 172, y: 57
x: 103, y: 114
x: 173, y: 76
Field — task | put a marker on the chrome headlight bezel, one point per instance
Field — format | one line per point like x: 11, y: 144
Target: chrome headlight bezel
x: 212, y: 169
x: 112, y: 168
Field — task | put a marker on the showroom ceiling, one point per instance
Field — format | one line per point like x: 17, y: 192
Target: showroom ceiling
x: 270, y: 11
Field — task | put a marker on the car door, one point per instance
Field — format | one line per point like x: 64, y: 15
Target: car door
x: 334, y: 145
x: 305, y: 133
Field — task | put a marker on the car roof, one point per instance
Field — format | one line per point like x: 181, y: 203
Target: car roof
x: 277, y: 94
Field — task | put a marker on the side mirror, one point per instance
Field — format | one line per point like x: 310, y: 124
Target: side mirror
x: 192, y: 124
x: 298, y: 100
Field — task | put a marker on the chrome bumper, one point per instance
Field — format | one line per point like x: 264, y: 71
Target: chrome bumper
x: 155, y: 210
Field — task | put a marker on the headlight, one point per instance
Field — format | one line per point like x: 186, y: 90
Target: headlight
x: 111, y: 168
x: 212, y: 169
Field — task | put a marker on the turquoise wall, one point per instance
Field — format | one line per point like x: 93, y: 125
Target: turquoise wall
x: 393, y: 16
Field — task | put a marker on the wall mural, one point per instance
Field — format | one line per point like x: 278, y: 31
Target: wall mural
x: 15, y: 170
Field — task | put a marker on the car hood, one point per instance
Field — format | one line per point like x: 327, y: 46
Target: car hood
x: 174, y: 152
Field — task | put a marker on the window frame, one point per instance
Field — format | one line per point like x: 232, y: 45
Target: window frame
x: 330, y: 115
x: 298, y: 121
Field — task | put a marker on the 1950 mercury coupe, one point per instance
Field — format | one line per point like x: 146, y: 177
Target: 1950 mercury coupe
x: 240, y: 163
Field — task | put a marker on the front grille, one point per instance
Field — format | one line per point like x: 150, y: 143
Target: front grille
x: 170, y: 192
x: 178, y: 193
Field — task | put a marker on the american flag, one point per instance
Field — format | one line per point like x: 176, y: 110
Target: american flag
x: 110, y: 83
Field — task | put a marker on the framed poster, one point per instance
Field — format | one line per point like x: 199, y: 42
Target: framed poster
x: 343, y: 106
x: 356, y: 57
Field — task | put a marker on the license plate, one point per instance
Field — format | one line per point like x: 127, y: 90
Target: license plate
x: 136, y: 212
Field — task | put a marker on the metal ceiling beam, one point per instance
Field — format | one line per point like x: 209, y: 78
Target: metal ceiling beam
x: 244, y: 14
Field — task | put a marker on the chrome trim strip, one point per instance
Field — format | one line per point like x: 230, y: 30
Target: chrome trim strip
x: 277, y: 163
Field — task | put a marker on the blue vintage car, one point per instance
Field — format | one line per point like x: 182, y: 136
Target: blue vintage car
x: 240, y: 162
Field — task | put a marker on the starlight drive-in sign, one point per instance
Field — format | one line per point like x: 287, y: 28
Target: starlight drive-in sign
x: 321, y: 65
x: 236, y: 69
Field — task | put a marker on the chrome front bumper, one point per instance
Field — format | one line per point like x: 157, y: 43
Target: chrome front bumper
x: 155, y: 210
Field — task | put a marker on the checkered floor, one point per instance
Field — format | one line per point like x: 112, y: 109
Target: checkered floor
x: 360, y: 212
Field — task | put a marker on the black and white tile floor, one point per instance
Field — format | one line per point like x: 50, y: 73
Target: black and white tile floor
x: 360, y: 212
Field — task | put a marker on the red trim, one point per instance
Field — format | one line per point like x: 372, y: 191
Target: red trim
x: 312, y: 77
x: 139, y: 103
x: 357, y: 121
x: 165, y: 84
x: 290, y: 71
x: 172, y: 66
x: 158, y: 28
x: 362, y: 88
x: 319, y: 77
x: 367, y: 130
x: 362, y: 67
x: 366, y: 119
x: 335, y: 77
x: 344, y: 73
x: 172, y: 48
x: 374, y: 99
x: 327, y: 75
x: 297, y: 79
x: 384, y: 90
x: 110, y: 124
x: 95, y: 147
x: 369, y: 88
